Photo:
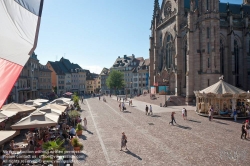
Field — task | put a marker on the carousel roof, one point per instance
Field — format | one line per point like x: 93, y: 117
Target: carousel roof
x: 222, y: 87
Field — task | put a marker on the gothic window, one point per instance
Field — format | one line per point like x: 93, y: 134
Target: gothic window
x: 168, y: 51
x: 208, y: 32
x: 207, y: 4
x: 236, y: 61
x: 167, y: 9
x: 208, y: 48
x: 221, y: 57
x: 185, y: 62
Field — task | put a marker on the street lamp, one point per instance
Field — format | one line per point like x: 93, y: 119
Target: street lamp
x: 165, y: 80
x: 131, y: 89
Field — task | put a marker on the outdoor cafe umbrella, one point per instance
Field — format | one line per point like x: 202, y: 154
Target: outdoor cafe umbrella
x: 7, y: 114
x: 41, y: 100
x: 32, y: 103
x: 36, y: 119
x: 54, y: 107
x: 17, y: 108
x: 51, y: 111
x: 68, y: 93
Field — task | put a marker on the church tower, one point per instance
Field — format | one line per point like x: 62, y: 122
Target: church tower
x: 153, y: 48
x: 203, y: 40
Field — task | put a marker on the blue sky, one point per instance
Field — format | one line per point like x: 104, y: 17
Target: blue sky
x: 93, y: 33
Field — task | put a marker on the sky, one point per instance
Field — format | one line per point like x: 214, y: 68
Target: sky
x: 93, y: 33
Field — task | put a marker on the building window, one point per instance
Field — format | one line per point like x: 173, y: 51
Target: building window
x: 221, y: 57
x: 208, y: 48
x: 169, y: 51
x: 185, y: 63
x: 208, y: 32
x: 236, y: 61
x: 207, y: 4
x: 208, y: 63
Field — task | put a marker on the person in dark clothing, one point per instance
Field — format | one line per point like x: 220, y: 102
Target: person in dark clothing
x: 172, y: 118
x: 244, y: 130
x: 146, y: 109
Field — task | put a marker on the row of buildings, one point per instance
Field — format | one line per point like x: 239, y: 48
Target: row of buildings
x: 57, y: 78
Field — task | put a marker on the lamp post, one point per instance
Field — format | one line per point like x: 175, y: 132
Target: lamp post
x: 131, y: 89
x: 165, y: 80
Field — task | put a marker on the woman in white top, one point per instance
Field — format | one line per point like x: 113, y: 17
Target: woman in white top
x: 85, y: 123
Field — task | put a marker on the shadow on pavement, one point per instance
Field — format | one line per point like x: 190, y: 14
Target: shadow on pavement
x: 89, y: 132
x: 126, y: 112
x: 132, y: 106
x: 194, y: 121
x: 156, y: 116
x: 183, y: 127
x: 220, y: 122
x: 132, y: 154
x: 80, y: 156
x: 83, y: 137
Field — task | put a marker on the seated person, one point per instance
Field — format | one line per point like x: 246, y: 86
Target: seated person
x: 72, y: 132
x: 12, y: 145
x: 40, y: 141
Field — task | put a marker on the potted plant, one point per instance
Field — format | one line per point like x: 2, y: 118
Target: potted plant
x: 79, y: 129
x: 76, y: 144
x: 73, y: 115
x: 52, y: 148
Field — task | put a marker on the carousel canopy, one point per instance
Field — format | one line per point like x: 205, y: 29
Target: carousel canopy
x: 222, y: 87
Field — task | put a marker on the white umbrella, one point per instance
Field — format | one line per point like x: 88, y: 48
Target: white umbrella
x: 37, y: 119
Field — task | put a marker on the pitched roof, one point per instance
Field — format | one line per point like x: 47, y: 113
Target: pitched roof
x: 56, y: 67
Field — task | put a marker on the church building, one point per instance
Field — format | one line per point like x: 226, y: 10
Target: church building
x: 194, y: 42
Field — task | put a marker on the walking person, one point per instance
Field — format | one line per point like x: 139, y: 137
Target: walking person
x: 244, y: 130
x: 235, y: 115
x: 248, y: 129
x: 212, y: 112
x: 150, y: 110
x: 120, y: 106
x: 146, y: 109
x: 172, y: 118
x: 123, y: 106
x: 124, y: 141
x: 85, y: 123
x: 183, y: 113
x: 99, y: 97
x: 82, y: 99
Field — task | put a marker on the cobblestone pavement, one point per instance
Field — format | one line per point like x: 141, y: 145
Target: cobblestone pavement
x: 152, y: 141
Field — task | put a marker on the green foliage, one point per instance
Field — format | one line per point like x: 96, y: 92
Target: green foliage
x: 79, y: 127
x: 115, y: 80
x: 77, y: 143
x: 73, y: 114
x: 75, y: 99
x: 54, y: 146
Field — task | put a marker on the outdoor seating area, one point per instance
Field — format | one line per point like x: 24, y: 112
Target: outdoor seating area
x: 224, y: 99
x: 39, y: 126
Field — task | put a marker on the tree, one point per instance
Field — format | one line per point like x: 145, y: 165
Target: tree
x: 115, y: 80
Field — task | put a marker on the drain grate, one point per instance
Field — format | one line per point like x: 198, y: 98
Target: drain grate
x: 151, y: 123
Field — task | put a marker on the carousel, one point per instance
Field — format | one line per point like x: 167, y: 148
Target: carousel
x: 224, y: 98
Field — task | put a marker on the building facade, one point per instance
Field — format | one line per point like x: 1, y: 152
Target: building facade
x: 194, y: 42
x: 44, y: 86
x: 74, y: 76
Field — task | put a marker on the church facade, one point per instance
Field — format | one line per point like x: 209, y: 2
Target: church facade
x: 194, y: 42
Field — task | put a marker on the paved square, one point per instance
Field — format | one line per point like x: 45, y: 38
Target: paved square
x: 152, y: 141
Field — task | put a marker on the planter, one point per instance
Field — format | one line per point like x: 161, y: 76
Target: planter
x: 77, y: 149
x: 79, y: 132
